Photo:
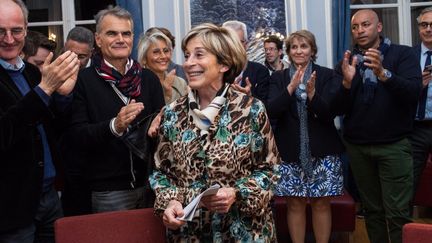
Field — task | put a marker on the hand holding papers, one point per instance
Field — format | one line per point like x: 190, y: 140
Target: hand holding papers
x: 189, y: 210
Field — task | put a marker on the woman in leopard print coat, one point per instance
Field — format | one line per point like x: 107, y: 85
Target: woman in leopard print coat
x: 215, y: 135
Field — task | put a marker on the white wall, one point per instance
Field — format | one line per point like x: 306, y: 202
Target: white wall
x: 170, y: 14
x: 313, y: 15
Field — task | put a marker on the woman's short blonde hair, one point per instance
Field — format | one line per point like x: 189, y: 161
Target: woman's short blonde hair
x: 308, y: 37
x: 224, y: 44
x: 147, y: 40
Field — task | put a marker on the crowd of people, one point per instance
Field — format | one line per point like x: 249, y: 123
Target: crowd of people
x: 255, y: 130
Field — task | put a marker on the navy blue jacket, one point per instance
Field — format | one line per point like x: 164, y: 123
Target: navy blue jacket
x: 390, y: 116
x: 282, y: 107
x: 259, y: 76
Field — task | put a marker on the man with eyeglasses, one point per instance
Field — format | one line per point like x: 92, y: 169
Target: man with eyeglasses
x: 421, y: 136
x: 112, y: 94
x: 274, y: 54
x: 30, y: 102
x: 380, y: 87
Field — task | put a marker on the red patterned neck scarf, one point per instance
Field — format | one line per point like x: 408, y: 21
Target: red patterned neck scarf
x: 128, y: 84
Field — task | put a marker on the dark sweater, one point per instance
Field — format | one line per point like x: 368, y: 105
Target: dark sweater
x: 282, y: 107
x: 390, y: 116
x: 95, y: 104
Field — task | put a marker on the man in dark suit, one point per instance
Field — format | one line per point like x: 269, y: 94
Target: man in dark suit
x: 29, y: 102
x: 76, y: 194
x: 254, y: 78
x: 421, y: 136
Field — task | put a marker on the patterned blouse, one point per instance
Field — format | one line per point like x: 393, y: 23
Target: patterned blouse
x: 239, y: 151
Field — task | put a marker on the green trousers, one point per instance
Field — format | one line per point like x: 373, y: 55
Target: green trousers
x: 384, y: 177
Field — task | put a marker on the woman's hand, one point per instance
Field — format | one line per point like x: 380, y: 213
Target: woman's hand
x: 169, y: 218
x: 310, y: 86
x: 167, y: 84
x: 154, y: 126
x: 295, y: 80
x: 221, y: 201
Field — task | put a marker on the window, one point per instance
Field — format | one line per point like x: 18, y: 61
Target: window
x: 398, y: 17
x: 55, y: 18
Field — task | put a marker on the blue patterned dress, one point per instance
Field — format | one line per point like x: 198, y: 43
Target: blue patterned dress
x: 327, y: 179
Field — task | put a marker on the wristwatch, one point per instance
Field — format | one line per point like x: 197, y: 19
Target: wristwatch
x: 384, y: 75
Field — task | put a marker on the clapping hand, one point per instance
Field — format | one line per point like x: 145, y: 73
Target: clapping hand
x: 295, y: 80
x: 310, y: 86
x: 167, y: 84
x: 373, y: 61
x: 61, y: 74
x: 126, y: 115
x: 154, y: 126
x: 246, y: 90
x: 348, y: 70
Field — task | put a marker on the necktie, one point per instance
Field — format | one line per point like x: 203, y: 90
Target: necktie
x: 423, y: 95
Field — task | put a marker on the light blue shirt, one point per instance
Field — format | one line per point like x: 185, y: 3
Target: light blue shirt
x: 428, y: 111
x: 8, y: 66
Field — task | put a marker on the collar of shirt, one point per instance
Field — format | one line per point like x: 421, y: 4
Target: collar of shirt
x: 127, y: 67
x: 19, y: 66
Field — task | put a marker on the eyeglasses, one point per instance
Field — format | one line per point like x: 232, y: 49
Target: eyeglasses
x: 15, y: 32
x: 270, y: 49
x: 424, y: 25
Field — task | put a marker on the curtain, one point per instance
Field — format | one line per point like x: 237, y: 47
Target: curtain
x: 341, y: 15
x: 135, y: 8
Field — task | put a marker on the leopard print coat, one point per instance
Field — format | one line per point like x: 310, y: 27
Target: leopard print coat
x: 239, y: 151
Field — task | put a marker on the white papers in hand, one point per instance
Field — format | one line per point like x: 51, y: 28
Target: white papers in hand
x: 189, y: 210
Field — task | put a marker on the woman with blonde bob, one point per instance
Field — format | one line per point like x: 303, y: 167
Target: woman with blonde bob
x: 154, y: 53
x: 302, y: 103
x: 215, y: 135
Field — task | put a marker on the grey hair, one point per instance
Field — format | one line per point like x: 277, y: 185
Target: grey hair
x: 425, y: 10
x: 81, y: 35
x: 24, y: 10
x: 115, y: 11
x: 237, y: 25
x: 146, y: 40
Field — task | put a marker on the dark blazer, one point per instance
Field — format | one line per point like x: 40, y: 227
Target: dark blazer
x: 95, y: 103
x: 417, y: 51
x: 282, y: 107
x: 21, y: 149
x: 258, y: 76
